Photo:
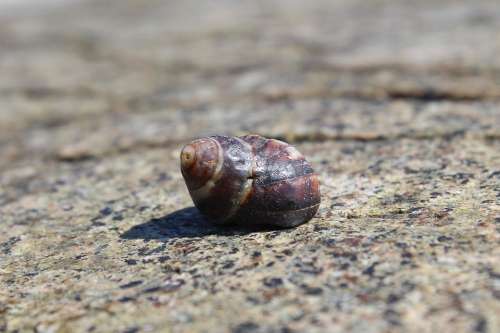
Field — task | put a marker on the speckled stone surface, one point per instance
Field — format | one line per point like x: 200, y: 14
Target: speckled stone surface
x: 395, y: 103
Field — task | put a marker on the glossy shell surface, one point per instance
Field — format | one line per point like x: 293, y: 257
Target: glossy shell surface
x: 250, y: 180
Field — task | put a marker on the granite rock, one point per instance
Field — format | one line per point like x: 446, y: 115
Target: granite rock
x: 396, y: 104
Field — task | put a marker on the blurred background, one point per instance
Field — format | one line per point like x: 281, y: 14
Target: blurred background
x: 109, y: 75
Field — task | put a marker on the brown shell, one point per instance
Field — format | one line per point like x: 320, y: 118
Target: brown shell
x: 257, y: 181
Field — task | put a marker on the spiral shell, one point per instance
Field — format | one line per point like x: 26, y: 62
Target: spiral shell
x: 250, y: 180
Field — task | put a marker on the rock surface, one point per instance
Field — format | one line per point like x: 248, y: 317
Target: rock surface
x: 396, y: 103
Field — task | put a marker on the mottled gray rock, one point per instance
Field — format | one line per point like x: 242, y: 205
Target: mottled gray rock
x: 395, y: 103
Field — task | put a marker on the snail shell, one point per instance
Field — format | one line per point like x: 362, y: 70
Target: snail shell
x: 250, y: 180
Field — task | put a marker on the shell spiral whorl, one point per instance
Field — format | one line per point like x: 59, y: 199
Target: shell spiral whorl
x: 250, y: 179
